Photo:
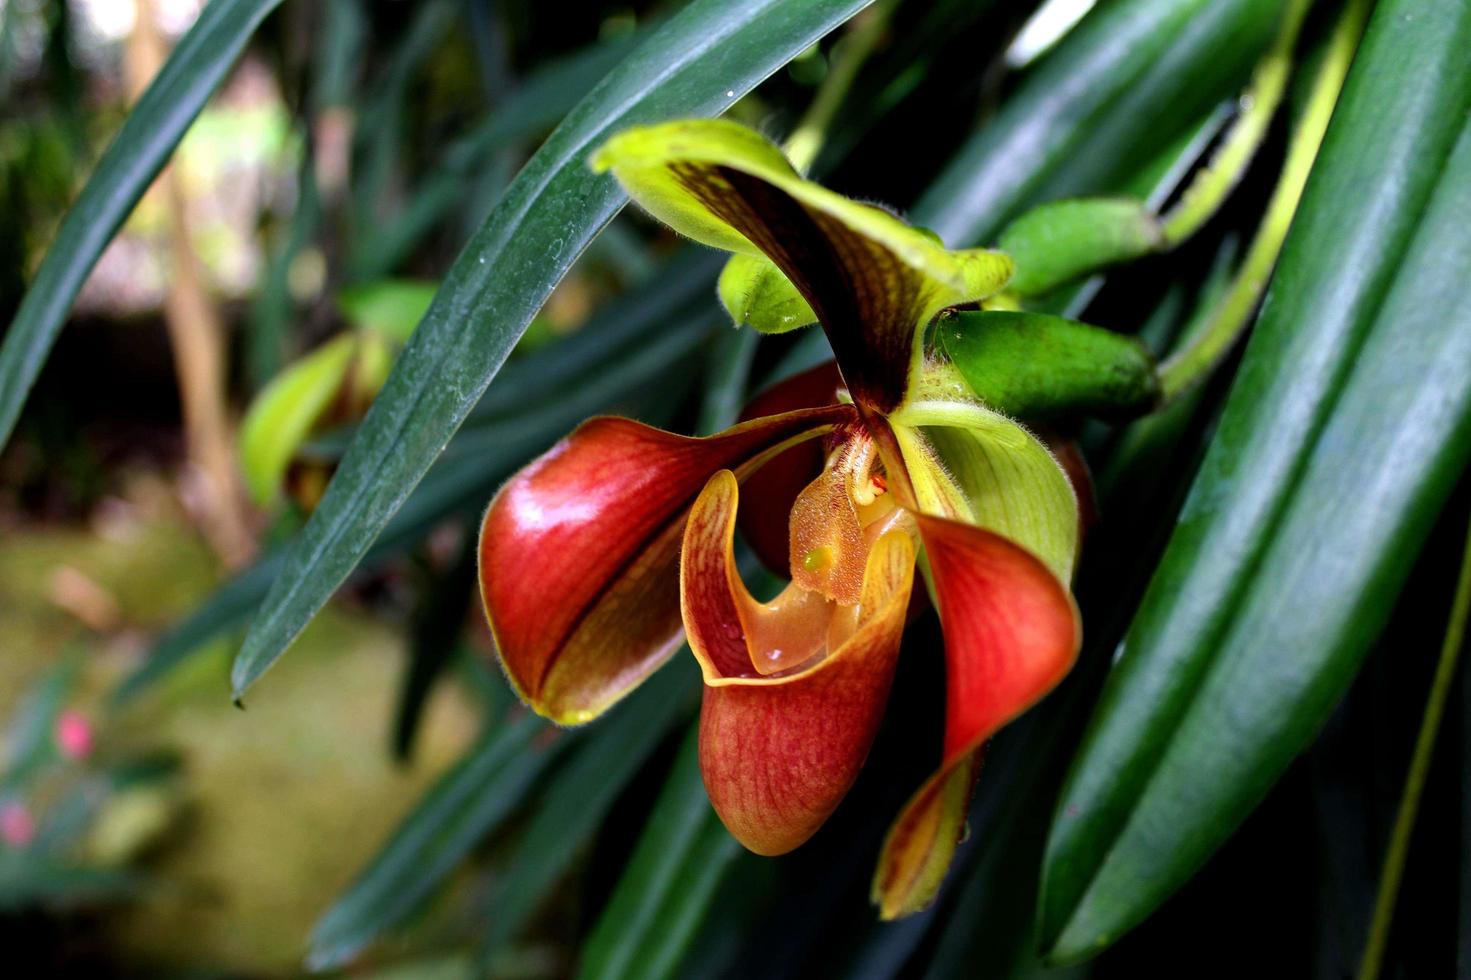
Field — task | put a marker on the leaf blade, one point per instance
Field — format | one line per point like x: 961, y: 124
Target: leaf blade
x: 462, y: 807
x: 1121, y: 80
x: 665, y: 891
x: 1312, y: 406
x: 580, y: 794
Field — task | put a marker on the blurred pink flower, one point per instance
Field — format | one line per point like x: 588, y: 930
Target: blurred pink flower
x: 74, y: 735
x: 17, y: 826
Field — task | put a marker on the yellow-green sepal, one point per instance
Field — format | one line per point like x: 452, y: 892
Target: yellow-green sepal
x: 969, y: 463
x: 757, y: 294
x: 647, y: 161
x: 666, y: 168
x: 873, y: 281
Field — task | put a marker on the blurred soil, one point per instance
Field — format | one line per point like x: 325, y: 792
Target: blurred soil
x: 278, y: 806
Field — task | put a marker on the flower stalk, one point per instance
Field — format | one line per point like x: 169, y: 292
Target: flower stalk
x: 1258, y: 104
x: 810, y: 134
x: 1187, y: 367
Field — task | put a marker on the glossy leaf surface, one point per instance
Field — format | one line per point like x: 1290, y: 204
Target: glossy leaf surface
x: 1096, y: 108
x: 1347, y: 424
x: 479, y: 792
x: 665, y: 892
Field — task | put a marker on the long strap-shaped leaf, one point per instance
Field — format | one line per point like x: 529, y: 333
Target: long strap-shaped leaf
x: 697, y: 64
x: 665, y: 892
x: 1348, y: 423
x: 482, y: 790
x: 153, y: 129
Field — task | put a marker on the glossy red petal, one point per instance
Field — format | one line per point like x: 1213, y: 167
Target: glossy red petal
x: 774, y: 487
x: 579, y: 553
x: 778, y: 753
x: 1011, y: 634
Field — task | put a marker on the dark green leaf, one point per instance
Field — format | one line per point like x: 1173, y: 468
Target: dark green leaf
x: 543, y: 222
x: 381, y: 133
x: 730, y: 373
x: 580, y: 793
x: 681, y: 292
x: 29, y: 742
x: 1126, y: 482
x: 1035, y: 366
x: 538, y: 104
x: 194, y: 70
x: 490, y: 448
x: 434, y: 636
x: 227, y: 608
x: 531, y: 109
x: 271, y: 309
x: 1348, y: 423
x: 28, y: 880
x: 665, y: 892
x: 465, y: 805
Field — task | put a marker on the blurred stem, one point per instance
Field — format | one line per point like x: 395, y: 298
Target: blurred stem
x: 1409, y: 804
x: 1258, y: 104
x: 866, y: 29
x: 1186, y: 368
x: 196, y: 335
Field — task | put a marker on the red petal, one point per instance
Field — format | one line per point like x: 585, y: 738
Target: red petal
x: 777, y: 483
x: 815, y: 387
x: 579, y: 554
x: 1011, y: 634
x: 778, y: 753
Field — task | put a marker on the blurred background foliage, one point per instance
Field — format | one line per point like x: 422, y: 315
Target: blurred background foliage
x: 383, y: 807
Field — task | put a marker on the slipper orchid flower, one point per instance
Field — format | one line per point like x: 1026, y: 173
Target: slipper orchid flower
x: 598, y: 556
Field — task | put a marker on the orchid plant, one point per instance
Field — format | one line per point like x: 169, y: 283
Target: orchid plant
x: 597, y: 557
x: 1282, y: 515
